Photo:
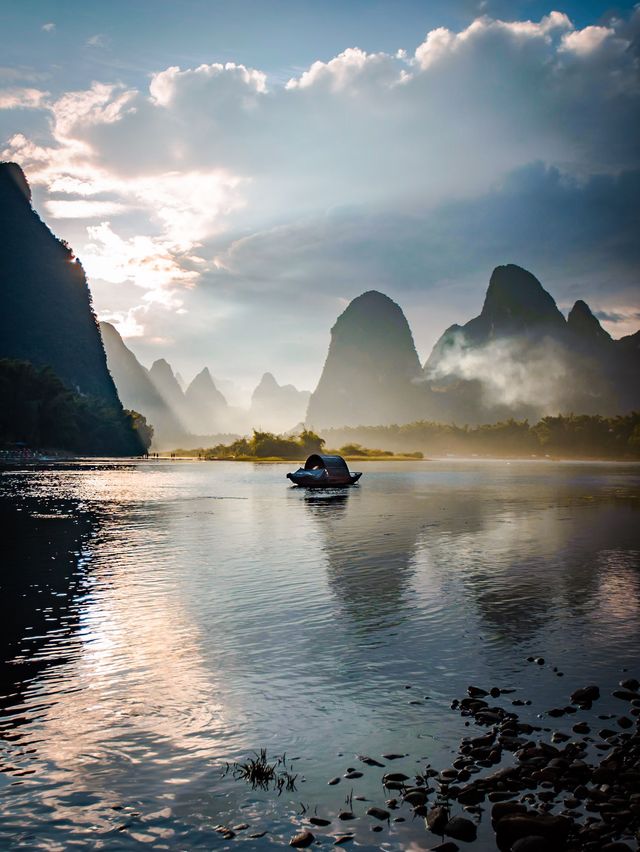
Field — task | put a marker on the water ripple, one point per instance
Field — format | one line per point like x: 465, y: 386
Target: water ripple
x: 165, y: 618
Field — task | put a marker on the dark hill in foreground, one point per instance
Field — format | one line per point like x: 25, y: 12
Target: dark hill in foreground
x: 47, y: 319
x: 46, y: 316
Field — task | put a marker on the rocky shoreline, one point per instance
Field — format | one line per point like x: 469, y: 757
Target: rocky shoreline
x: 554, y: 791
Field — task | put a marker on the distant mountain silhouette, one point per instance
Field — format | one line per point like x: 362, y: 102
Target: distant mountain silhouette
x: 630, y: 344
x: 167, y: 385
x: 369, y: 372
x: 137, y: 391
x: 586, y: 328
x: 520, y: 357
x: 515, y: 305
x: 277, y: 407
x: 46, y: 317
x: 206, y: 406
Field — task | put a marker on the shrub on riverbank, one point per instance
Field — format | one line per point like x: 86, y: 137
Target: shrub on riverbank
x: 263, y: 445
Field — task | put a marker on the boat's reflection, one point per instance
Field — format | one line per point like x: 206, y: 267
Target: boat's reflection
x: 326, y: 500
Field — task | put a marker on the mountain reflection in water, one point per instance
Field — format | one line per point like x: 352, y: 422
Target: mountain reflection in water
x: 369, y: 559
x: 160, y: 619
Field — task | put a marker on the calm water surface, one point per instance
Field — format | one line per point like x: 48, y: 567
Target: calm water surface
x: 160, y: 619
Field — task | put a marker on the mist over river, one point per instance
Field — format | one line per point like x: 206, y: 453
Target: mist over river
x: 160, y: 619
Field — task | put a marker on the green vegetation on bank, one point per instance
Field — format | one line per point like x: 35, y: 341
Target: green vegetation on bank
x: 566, y: 436
x: 37, y: 410
x: 354, y: 451
x: 266, y: 445
x: 262, y: 445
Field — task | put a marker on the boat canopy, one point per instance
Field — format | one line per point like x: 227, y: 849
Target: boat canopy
x: 334, y: 465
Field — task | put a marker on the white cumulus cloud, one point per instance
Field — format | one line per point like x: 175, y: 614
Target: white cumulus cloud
x: 207, y: 157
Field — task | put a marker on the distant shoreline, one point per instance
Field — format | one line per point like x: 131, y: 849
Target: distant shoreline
x: 358, y: 459
x: 14, y: 464
x: 69, y: 459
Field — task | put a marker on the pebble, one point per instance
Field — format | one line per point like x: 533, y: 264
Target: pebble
x: 333, y: 781
x: 415, y: 798
x: 471, y: 796
x: 515, y: 826
x: 461, y: 828
x: 379, y: 813
x: 300, y: 841
x: 394, y: 776
x: 393, y: 756
x: 342, y: 839
x: 624, y: 695
x: 370, y: 761
x: 585, y: 695
x: 344, y: 815
x: 314, y: 820
x: 352, y: 774
x: 437, y: 818
x: 532, y: 843
x: 503, y: 809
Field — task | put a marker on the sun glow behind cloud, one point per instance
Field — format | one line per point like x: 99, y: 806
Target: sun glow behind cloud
x: 183, y: 178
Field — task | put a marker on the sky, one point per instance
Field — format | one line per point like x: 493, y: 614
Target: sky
x: 231, y: 174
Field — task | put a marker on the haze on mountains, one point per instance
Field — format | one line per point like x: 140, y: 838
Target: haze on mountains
x: 138, y: 392
x: 199, y: 413
x: 228, y: 200
x: 370, y: 373
x: 518, y: 358
x: 277, y: 407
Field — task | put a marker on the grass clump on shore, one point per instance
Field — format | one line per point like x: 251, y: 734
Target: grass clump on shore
x: 262, y: 774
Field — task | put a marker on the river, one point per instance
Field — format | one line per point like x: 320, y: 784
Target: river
x: 161, y: 620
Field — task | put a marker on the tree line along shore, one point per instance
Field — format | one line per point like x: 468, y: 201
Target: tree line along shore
x: 579, y: 436
x: 38, y: 411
